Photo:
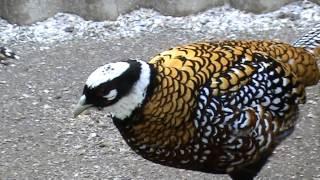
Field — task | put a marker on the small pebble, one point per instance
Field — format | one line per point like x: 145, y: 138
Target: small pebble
x: 69, y: 133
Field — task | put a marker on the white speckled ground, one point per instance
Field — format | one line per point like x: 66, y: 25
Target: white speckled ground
x: 65, y: 27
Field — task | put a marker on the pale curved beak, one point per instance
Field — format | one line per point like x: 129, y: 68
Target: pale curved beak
x: 81, y: 106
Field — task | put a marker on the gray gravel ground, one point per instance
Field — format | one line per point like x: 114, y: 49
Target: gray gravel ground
x: 39, y: 139
x: 65, y: 27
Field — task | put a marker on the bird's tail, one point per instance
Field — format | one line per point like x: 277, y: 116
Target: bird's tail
x: 310, y: 41
x: 7, y: 53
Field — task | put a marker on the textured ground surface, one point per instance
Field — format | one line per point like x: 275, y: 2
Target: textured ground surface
x: 39, y: 139
x: 65, y: 27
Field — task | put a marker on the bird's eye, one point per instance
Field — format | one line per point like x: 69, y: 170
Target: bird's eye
x: 111, y: 95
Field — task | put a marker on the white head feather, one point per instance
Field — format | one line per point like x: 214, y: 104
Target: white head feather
x: 106, y: 73
x: 127, y: 104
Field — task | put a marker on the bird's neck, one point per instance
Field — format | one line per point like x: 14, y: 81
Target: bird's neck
x: 127, y: 105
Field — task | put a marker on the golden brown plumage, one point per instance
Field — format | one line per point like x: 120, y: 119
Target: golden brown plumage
x: 301, y: 62
x: 217, y: 107
x: 226, y: 66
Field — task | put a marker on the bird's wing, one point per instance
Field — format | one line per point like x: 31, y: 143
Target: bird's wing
x: 249, y: 108
x: 250, y: 94
x: 301, y: 62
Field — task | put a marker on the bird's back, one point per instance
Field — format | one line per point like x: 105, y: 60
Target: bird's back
x: 299, y: 60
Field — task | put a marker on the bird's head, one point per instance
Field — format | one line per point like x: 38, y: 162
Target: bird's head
x: 119, y: 88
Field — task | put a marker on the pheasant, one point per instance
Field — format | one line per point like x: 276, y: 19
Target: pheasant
x: 218, y: 107
x: 6, y: 53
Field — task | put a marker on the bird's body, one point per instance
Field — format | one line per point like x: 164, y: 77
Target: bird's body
x: 216, y: 107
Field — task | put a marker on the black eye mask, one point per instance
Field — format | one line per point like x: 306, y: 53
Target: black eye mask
x: 122, y: 84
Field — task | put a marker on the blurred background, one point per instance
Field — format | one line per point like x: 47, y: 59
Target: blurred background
x: 30, y: 11
x: 60, y: 42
